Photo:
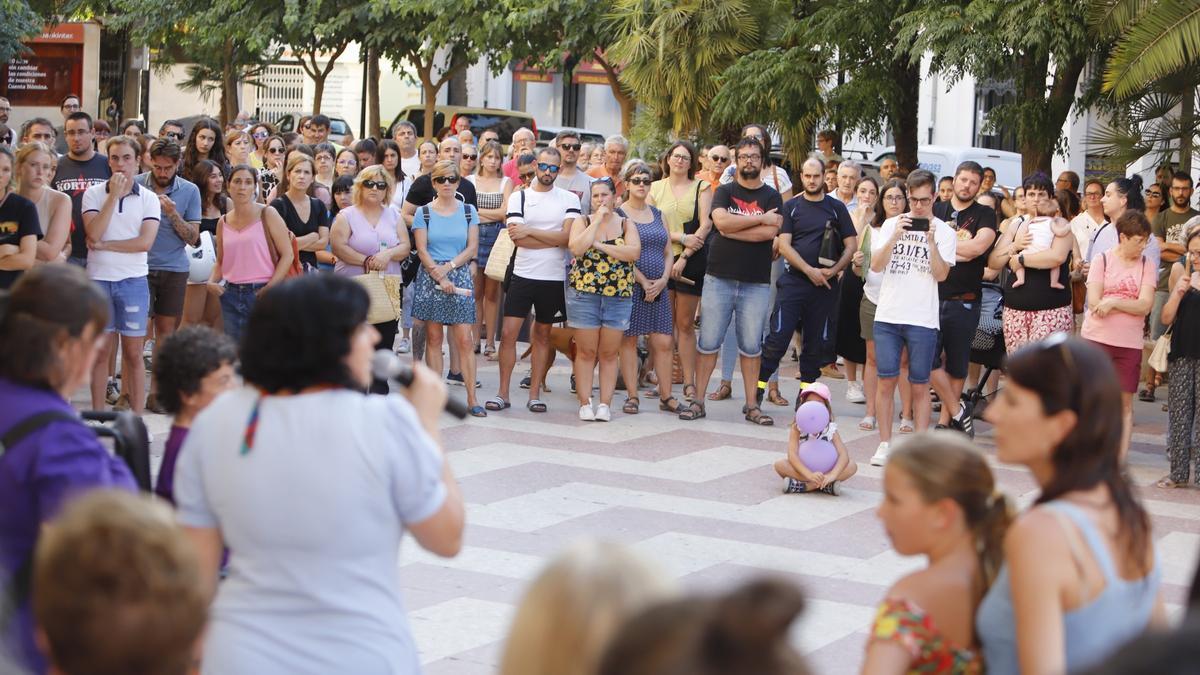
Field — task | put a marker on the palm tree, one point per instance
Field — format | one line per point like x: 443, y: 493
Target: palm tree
x: 1154, y: 39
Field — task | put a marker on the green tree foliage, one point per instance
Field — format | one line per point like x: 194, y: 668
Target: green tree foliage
x: 673, y: 51
x: 317, y: 30
x: 19, y: 21
x: 1041, y: 45
x: 1153, y: 39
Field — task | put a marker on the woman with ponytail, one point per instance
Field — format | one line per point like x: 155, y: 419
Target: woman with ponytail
x: 1080, y: 575
x: 940, y: 501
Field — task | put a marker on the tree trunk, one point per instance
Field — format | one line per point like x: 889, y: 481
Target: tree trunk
x: 429, y: 92
x: 907, y: 78
x: 628, y: 105
x: 373, y: 90
x: 1187, y: 117
x: 229, y: 102
x: 318, y: 79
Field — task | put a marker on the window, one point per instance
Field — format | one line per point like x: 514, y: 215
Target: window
x: 988, y: 96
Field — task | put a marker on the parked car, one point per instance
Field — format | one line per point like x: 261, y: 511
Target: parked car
x: 506, y: 121
x: 547, y: 134
x: 942, y: 159
x: 338, y: 127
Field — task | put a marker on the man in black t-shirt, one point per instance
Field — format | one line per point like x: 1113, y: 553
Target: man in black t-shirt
x: 808, y: 290
x: 79, y: 170
x: 737, y: 286
x: 961, y: 293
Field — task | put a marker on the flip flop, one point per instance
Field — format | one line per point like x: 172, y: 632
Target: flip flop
x: 536, y: 406
x: 867, y: 423
x: 477, y: 411
x: 906, y: 426
x: 1166, y: 483
x: 496, y: 403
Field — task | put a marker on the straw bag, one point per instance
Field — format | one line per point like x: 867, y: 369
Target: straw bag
x: 1162, y: 349
x: 500, y: 259
x: 384, y: 291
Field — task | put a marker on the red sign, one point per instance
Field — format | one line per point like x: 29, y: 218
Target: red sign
x: 523, y: 72
x: 590, y: 72
x: 71, y: 33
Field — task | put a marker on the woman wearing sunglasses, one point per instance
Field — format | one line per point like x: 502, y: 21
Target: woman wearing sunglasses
x: 1080, y: 575
x: 446, y: 234
x: 260, y: 133
x: 275, y: 149
x: 369, y: 236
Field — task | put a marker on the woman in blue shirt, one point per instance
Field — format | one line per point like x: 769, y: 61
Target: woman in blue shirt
x: 446, y: 234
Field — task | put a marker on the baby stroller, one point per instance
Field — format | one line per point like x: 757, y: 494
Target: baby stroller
x: 987, y: 349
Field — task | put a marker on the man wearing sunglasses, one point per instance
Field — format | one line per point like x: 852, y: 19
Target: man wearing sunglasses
x: 570, y: 178
x: 539, y: 221
x: 718, y: 158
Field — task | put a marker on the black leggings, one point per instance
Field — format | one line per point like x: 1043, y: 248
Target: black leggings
x: 387, y: 336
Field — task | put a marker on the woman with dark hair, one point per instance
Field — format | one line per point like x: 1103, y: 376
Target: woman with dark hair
x: 200, y: 307
x: 387, y: 154
x: 1080, y: 575
x: 1035, y: 309
x: 1121, y: 195
x: 427, y: 153
x: 346, y: 164
x: 206, y: 141
x: 686, y: 203
x: 51, y: 333
x: 1182, y: 313
x: 313, y: 484
x: 305, y: 216
x: 324, y: 155
x: 892, y: 201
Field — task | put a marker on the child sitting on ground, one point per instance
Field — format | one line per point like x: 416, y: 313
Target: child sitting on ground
x: 797, y: 477
x: 1044, y: 227
x: 194, y: 366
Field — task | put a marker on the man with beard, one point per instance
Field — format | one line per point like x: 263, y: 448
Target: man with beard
x: 808, y: 291
x: 179, y: 200
x: 737, y: 286
x: 82, y: 168
x: 1168, y: 229
x: 961, y: 292
x: 888, y: 168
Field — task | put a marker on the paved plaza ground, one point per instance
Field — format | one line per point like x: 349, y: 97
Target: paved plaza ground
x: 700, y: 500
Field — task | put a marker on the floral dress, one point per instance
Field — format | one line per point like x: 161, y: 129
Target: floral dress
x: 904, y: 623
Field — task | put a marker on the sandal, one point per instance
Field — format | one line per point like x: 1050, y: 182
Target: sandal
x: 906, y: 425
x: 691, y: 395
x: 867, y: 423
x: 535, y: 405
x: 1146, y: 395
x: 631, y: 406
x: 670, y: 405
x: 496, y: 403
x: 477, y: 411
x: 723, y: 392
x: 776, y: 398
x: 1166, y: 483
x: 651, y: 393
x: 693, y: 411
x: 755, y: 415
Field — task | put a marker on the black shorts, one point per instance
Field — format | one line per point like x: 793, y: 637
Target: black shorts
x: 166, y: 292
x: 546, y: 298
x: 959, y: 320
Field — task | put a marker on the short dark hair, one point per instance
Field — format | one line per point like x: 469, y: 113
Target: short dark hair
x: 136, y: 123
x: 79, y: 115
x: 987, y: 169
x: 693, y: 165
x: 971, y: 166
x: 165, y: 147
x: 185, y: 358
x: 47, y: 305
x: 567, y: 133
x: 366, y: 145
x: 1180, y: 175
x: 748, y: 143
x: 949, y: 179
x: 1072, y: 179
x: 1133, y: 223
x: 68, y: 97
x: 327, y: 148
x: 1093, y: 181
x: 169, y: 123
x: 553, y: 152
x: 827, y: 135
x: 920, y: 178
x: 30, y: 123
x: 319, y: 120
x: 321, y: 312
x: 1038, y: 181
x: 526, y: 159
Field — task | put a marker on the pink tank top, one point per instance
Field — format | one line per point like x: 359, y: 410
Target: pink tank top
x: 245, y: 257
x: 366, y: 238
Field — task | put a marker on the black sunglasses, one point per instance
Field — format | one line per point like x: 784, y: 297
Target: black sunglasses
x: 375, y: 184
x: 718, y: 158
x: 174, y: 134
x: 573, y: 147
x: 442, y: 180
x: 640, y: 181
x: 466, y: 156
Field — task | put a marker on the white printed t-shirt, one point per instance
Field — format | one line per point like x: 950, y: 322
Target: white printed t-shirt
x: 908, y: 295
x: 140, y: 204
x: 544, y: 211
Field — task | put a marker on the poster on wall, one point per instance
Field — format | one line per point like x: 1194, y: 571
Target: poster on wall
x: 50, y: 68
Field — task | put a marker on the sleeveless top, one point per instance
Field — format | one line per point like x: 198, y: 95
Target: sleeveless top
x: 902, y: 622
x: 654, y: 237
x: 488, y: 200
x: 1091, y: 632
x: 367, y: 239
x: 596, y: 272
x: 1185, y: 332
x: 676, y: 212
x: 245, y: 257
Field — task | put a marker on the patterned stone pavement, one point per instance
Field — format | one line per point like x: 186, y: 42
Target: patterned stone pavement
x: 699, y: 499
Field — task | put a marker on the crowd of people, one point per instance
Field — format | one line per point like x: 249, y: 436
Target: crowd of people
x: 228, y: 246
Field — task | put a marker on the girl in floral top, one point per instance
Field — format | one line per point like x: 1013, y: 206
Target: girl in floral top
x: 600, y: 296
x: 940, y: 502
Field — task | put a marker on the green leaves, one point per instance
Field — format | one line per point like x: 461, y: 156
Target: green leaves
x: 20, y: 22
x: 1154, y: 39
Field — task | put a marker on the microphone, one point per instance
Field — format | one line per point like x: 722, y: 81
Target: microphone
x: 387, y: 366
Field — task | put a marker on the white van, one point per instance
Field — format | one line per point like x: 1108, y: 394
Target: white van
x: 942, y: 160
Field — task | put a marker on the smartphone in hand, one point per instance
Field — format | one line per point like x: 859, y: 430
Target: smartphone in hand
x: 919, y: 225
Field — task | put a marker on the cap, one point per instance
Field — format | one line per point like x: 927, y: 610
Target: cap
x: 818, y: 388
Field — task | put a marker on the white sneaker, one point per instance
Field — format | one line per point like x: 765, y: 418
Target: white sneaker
x: 854, y: 393
x: 881, y: 455
x: 603, y: 413
x: 586, y: 413
x: 404, y: 347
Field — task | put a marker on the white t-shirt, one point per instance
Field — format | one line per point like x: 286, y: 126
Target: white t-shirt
x: 411, y: 166
x: 139, y: 205
x: 315, y: 511
x: 543, y: 211
x: 1084, y: 227
x: 908, y: 294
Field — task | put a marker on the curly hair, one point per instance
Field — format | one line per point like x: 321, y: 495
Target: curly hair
x: 185, y: 358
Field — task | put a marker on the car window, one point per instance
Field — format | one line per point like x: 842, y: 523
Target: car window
x: 506, y: 125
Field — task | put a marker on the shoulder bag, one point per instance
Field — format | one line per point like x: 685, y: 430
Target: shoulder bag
x: 500, y: 260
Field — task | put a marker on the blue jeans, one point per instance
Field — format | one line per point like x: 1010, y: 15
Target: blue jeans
x: 588, y: 311
x: 236, y: 303
x: 890, y: 340
x: 129, y: 305
x: 744, y: 304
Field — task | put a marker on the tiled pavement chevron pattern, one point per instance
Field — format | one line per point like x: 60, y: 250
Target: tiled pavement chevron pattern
x: 699, y: 499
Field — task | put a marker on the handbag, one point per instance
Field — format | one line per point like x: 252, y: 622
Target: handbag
x: 500, y: 260
x: 1162, y: 349
x: 1078, y: 295
x: 296, y: 268
x: 384, y: 291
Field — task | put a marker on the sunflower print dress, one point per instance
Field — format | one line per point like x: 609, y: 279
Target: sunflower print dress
x: 904, y: 623
x: 600, y: 273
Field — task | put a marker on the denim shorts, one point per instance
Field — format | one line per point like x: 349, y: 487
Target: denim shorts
x: 593, y: 310
x: 959, y: 321
x: 746, y: 304
x: 892, y: 338
x: 128, y: 305
x: 236, y: 303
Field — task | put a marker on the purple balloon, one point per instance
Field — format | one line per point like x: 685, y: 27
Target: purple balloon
x: 812, y: 417
x: 818, y: 454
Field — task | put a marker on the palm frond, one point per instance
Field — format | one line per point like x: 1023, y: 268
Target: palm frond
x: 1163, y: 40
